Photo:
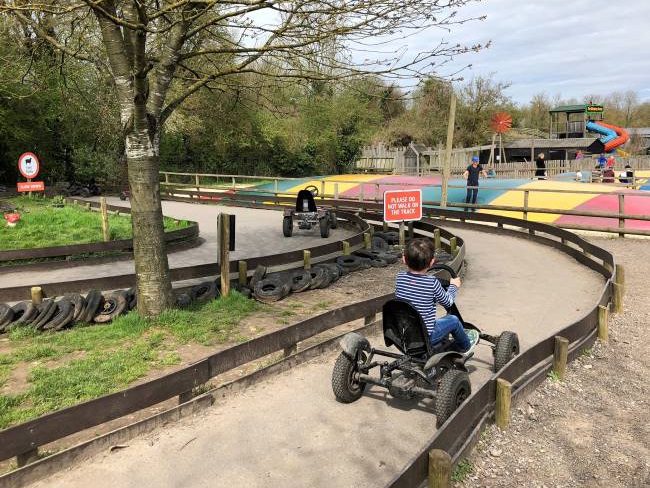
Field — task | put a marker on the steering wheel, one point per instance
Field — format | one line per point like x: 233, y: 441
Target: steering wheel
x: 313, y: 189
x: 443, y: 267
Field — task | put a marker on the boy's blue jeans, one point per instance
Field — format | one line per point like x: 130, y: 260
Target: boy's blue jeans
x: 449, y: 324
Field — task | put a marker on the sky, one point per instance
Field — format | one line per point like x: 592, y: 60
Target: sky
x: 571, y: 47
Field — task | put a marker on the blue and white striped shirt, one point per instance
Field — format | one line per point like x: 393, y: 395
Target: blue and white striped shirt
x: 423, y: 292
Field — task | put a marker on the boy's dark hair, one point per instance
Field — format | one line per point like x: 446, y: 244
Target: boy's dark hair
x: 418, y: 254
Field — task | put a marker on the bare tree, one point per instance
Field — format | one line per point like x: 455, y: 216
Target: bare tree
x: 160, y: 52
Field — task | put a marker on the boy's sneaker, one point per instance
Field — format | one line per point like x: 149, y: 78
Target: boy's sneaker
x: 473, y: 336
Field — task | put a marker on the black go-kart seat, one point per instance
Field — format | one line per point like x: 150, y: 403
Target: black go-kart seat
x: 305, y: 199
x: 405, y: 329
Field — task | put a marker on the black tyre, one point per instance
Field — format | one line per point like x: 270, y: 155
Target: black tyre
x: 453, y: 391
x: 346, y: 388
x: 334, y: 269
x: 245, y: 291
x: 131, y: 298
x: 271, y: 289
x: 378, y: 263
x: 93, y: 303
x: 379, y: 243
x: 506, y: 348
x: 287, y: 226
x: 329, y: 275
x: 392, y: 237
x: 63, y: 314
x: 6, y: 316
x: 260, y: 272
x: 183, y: 300
x: 24, y: 313
x: 334, y: 223
x: 300, y: 281
x: 350, y: 263
x: 318, y: 277
x: 324, y: 224
x: 204, y: 292
x: 442, y: 256
x: 365, y: 263
x: 46, y: 311
x: 78, y: 302
x: 113, y: 306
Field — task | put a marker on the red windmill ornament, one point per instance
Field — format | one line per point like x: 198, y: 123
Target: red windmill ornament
x: 501, y: 122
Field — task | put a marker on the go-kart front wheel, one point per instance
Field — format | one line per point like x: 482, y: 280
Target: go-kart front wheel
x: 324, y: 227
x: 506, y: 348
x: 334, y: 223
x: 346, y: 388
x: 454, y: 388
x: 287, y: 226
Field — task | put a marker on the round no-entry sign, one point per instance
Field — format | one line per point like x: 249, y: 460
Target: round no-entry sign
x: 28, y: 165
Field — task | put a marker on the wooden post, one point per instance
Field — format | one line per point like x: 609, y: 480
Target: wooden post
x: 436, y: 238
x: 275, y: 187
x: 322, y: 189
x: 361, y: 193
x: 167, y: 178
x: 27, y: 457
x: 185, y: 397
x: 453, y: 246
x: 197, y: 181
x: 618, y: 298
x: 620, y: 276
x: 37, y: 295
x: 439, y: 469
x: 560, y: 356
x: 336, y: 191
x: 411, y: 230
x: 402, y: 234
x: 346, y: 248
x: 306, y: 257
x: 446, y: 169
x: 243, y: 272
x: 603, y: 329
x: 369, y: 319
x: 104, y: 210
x: 289, y: 350
x: 367, y: 240
x: 385, y: 227
x: 525, y: 204
x: 621, y: 211
x: 502, y: 407
x: 224, y: 252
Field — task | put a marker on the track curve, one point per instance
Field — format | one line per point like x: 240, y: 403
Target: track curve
x: 289, y: 431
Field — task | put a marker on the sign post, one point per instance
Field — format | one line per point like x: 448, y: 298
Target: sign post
x: 29, y: 167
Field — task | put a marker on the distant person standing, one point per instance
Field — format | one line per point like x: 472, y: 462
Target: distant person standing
x: 540, y: 163
x: 472, y: 174
x: 602, y: 161
x: 611, y: 161
x: 579, y: 155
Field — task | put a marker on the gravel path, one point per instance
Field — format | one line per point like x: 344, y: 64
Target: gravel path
x: 593, y: 429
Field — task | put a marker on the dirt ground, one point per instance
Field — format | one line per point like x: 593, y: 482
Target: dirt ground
x: 593, y: 429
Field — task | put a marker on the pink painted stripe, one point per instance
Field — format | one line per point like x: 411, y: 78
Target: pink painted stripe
x: 635, y: 205
x: 391, y: 183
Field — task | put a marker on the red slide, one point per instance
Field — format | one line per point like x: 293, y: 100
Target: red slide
x: 622, y: 138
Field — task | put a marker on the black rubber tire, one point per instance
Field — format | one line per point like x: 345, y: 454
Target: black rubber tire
x: 260, y: 273
x: 24, y: 313
x: 334, y: 223
x: 390, y: 257
x: 324, y: 224
x: 442, y: 256
x: 245, y: 291
x: 329, y: 274
x: 6, y: 316
x: 300, y: 281
x: 318, y: 277
x: 204, y: 292
x: 378, y: 263
x: 93, y: 303
x: 345, y: 389
x: 271, y: 289
x: 335, y: 270
x: 392, y: 237
x: 379, y: 243
x: 453, y: 390
x: 350, y: 263
x: 365, y: 263
x: 113, y: 305
x: 46, y: 311
x: 506, y: 348
x: 183, y: 300
x: 78, y: 303
x: 63, y: 313
x: 342, y: 271
x: 287, y: 226
x: 132, y: 297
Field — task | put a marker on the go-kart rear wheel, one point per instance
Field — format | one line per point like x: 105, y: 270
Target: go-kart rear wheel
x: 346, y: 388
x: 453, y: 391
x: 506, y: 348
x: 334, y: 223
x: 287, y: 226
x: 324, y: 227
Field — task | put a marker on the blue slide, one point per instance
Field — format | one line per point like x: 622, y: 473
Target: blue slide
x: 607, y: 133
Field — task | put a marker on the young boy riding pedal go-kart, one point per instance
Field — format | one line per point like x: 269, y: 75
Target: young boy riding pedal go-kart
x: 430, y: 362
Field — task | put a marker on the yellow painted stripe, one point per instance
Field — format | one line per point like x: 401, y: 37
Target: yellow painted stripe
x: 330, y: 181
x: 551, y: 200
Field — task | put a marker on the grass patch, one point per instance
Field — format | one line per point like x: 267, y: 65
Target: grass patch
x: 42, y: 225
x: 114, y: 356
x: 462, y: 471
x: 553, y: 376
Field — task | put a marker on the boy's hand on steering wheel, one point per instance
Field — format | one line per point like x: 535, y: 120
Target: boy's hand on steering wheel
x: 456, y: 282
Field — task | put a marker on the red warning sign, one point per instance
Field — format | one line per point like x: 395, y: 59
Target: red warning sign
x: 402, y: 205
x: 31, y: 186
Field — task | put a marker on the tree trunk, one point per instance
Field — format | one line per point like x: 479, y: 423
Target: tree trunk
x: 149, y: 249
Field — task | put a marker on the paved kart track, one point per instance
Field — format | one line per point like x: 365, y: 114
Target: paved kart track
x: 290, y: 432
x: 258, y: 233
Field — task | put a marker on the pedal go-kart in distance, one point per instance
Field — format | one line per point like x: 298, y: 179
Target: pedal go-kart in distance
x: 307, y: 215
x: 420, y: 369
